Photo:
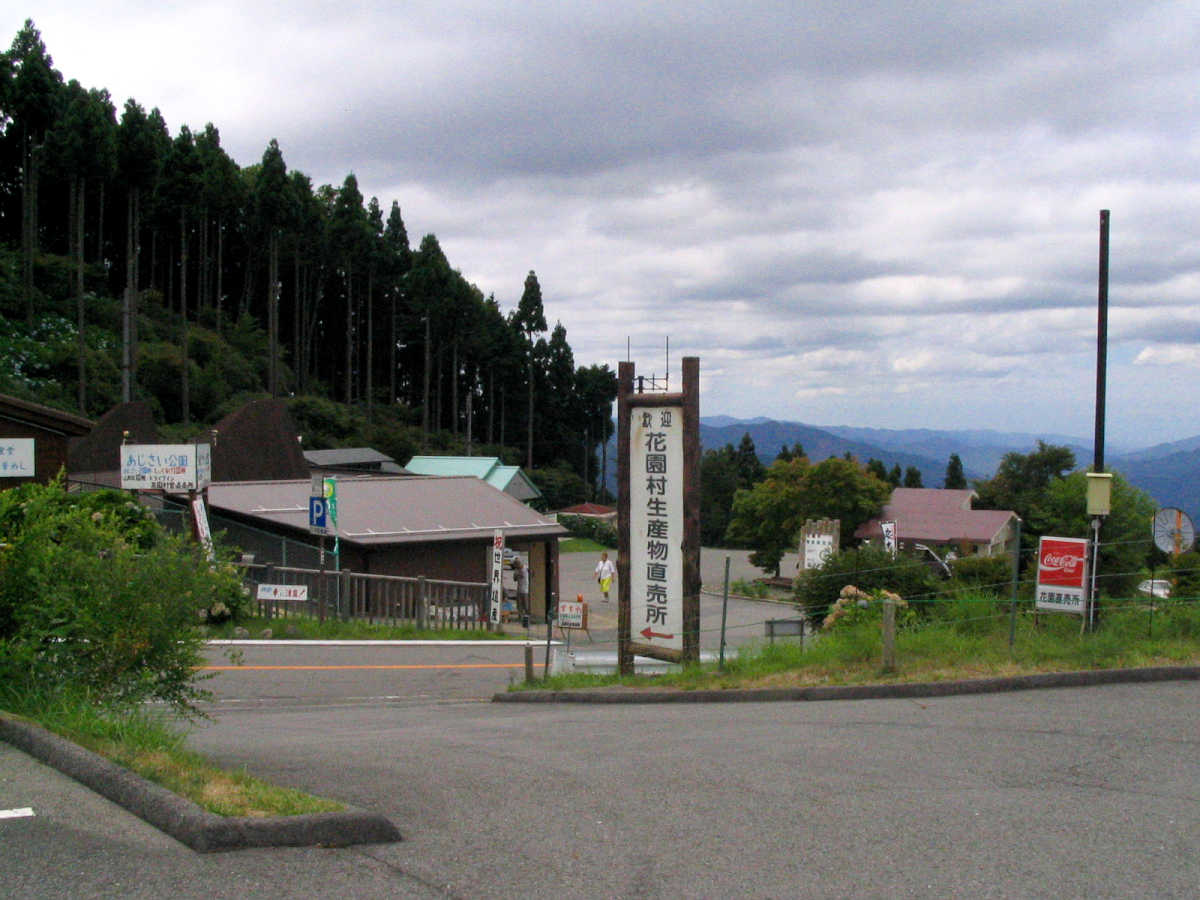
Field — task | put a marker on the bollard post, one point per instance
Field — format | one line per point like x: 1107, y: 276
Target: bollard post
x: 889, y: 636
x: 264, y: 609
x: 528, y: 663
x: 422, y: 604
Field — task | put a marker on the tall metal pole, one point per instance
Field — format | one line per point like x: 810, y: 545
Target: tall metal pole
x: 1101, y: 377
x: 1101, y: 344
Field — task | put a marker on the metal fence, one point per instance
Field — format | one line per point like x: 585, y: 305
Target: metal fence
x: 378, y: 599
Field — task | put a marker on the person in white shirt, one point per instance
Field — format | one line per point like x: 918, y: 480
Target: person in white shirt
x: 605, y: 570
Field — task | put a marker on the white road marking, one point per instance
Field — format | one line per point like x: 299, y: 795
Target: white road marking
x: 16, y: 813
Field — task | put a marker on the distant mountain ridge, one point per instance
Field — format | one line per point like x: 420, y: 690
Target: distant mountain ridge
x: 1170, y: 473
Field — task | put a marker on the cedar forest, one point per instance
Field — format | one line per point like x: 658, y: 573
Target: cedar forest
x: 137, y: 265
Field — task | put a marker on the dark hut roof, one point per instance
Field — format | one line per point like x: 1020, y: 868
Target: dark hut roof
x: 258, y: 442
x: 29, y: 414
x: 99, y: 451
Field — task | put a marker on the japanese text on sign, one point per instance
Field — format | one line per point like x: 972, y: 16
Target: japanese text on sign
x: 1062, y: 574
x: 16, y: 458
x: 656, y: 525
x: 165, y: 467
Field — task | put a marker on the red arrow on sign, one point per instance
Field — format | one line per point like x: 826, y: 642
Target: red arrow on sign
x: 648, y: 634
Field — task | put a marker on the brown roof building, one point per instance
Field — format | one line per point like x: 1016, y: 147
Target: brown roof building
x: 49, y: 429
x: 944, y: 518
x: 439, y: 527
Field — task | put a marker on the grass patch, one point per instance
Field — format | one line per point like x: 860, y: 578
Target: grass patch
x: 957, y: 647
x: 582, y: 545
x: 141, y: 741
x: 306, y: 628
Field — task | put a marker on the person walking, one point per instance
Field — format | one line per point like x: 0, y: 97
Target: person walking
x: 521, y: 577
x: 605, y: 570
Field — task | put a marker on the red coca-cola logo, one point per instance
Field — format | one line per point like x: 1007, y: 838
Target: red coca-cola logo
x: 1061, y: 562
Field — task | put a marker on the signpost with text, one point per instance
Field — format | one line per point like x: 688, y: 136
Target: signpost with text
x: 658, y: 559
x: 1062, y: 574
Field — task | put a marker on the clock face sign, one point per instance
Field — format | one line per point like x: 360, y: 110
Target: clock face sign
x: 1173, y: 531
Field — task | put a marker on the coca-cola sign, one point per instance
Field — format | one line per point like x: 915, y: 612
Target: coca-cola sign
x: 1062, y: 561
x: 1062, y: 574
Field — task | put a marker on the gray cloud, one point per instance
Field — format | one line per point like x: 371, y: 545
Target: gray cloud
x: 875, y: 213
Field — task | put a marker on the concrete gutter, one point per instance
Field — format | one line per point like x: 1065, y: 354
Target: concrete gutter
x: 858, y: 691
x: 199, y: 829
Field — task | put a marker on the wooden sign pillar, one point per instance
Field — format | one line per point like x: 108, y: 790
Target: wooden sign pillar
x: 658, y: 509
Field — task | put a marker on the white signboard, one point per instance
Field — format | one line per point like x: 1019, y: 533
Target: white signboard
x: 496, y: 595
x: 165, y: 467
x: 817, y: 549
x: 571, y: 613
x: 656, y: 525
x: 1062, y: 574
x: 298, y: 592
x: 889, y: 536
x: 16, y: 458
x: 203, y: 531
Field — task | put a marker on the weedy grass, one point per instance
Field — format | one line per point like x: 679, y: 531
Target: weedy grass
x: 306, y: 628
x: 144, y: 741
x: 966, y: 642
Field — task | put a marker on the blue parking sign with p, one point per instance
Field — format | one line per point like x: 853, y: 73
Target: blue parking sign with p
x: 318, y: 513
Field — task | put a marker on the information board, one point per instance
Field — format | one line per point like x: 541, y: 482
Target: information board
x: 16, y: 458
x: 656, y: 525
x: 165, y: 467
x: 1062, y: 574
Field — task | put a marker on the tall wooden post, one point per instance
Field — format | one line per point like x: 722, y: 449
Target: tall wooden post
x: 658, y: 508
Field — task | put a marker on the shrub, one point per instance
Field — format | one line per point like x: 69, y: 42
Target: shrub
x: 868, y: 569
x: 993, y: 573
x: 1185, y: 576
x: 95, y: 595
x: 598, y: 530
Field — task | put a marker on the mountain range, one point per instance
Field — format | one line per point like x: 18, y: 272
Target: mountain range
x: 1170, y: 473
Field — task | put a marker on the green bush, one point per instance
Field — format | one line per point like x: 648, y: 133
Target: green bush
x: 1185, y: 576
x: 95, y: 595
x: 869, y: 569
x: 992, y: 573
x: 598, y: 530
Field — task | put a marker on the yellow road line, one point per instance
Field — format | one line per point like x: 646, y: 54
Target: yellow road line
x: 341, y: 668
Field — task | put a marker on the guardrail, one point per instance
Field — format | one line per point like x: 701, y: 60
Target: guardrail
x: 379, y: 599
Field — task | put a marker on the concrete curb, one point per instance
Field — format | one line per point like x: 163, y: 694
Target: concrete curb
x: 860, y: 691
x: 203, y: 831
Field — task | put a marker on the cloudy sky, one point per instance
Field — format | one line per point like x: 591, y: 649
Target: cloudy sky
x: 873, y: 213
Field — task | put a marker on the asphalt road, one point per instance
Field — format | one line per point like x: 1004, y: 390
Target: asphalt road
x: 1091, y: 792
x: 1088, y: 792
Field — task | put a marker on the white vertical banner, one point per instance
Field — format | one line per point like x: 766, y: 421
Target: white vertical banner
x: 656, y: 525
x: 496, y: 595
x: 890, y: 543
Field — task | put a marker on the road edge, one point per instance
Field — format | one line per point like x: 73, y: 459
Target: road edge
x: 202, y: 831
x: 908, y: 689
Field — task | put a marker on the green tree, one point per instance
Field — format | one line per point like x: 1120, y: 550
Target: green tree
x: 955, y: 480
x: 1021, y: 481
x: 750, y: 468
x: 894, y: 476
x: 877, y: 468
x: 912, y: 477
x: 530, y: 319
x: 719, y: 482
x: 768, y: 517
x: 1125, y: 536
x: 33, y: 100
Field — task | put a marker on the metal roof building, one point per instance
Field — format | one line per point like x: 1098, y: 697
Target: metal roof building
x: 509, y: 479
x: 944, y: 517
x: 439, y: 527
